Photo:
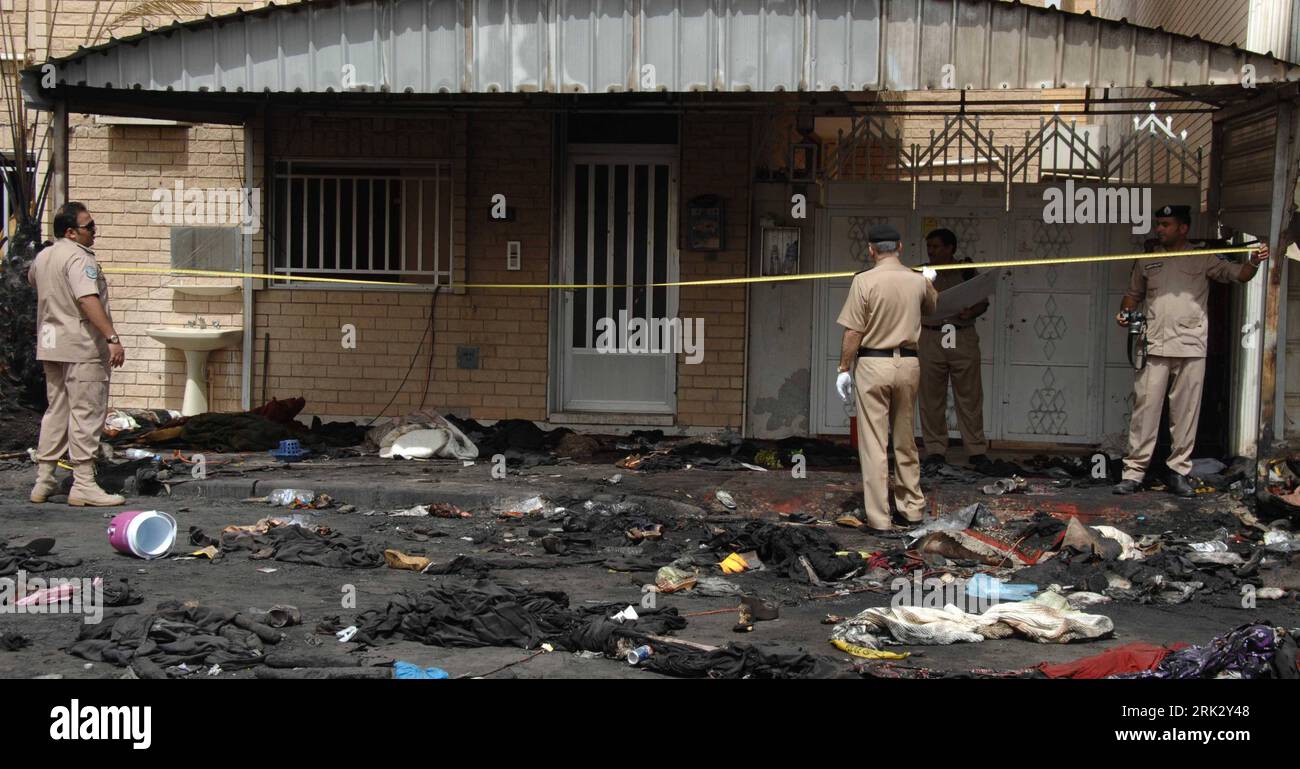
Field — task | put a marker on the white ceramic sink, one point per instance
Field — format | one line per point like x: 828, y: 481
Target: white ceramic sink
x: 196, y: 343
x: 196, y: 339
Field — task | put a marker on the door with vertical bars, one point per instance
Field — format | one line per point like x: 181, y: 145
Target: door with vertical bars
x: 620, y: 228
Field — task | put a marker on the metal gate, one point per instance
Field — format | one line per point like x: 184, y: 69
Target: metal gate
x: 1054, y: 363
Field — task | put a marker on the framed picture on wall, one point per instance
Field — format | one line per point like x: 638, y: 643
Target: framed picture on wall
x: 704, y: 224
x: 780, y: 255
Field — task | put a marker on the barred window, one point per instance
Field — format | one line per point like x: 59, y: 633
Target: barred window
x: 380, y: 221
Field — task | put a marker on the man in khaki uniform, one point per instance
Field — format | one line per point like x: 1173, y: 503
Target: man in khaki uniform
x: 1175, y: 291
x: 960, y: 364
x: 882, y: 321
x: 77, y: 345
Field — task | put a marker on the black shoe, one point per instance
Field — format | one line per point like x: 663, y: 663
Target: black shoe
x: 1179, y: 485
x: 979, y: 460
x: 933, y: 460
x: 1126, y: 487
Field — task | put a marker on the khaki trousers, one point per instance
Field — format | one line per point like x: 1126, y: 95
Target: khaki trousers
x: 961, y: 365
x: 885, y: 390
x: 74, y: 421
x: 1184, y: 378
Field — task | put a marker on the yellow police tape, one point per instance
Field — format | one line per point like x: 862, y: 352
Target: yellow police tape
x: 675, y: 283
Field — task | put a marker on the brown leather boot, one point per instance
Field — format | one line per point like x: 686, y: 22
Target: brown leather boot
x: 45, y: 482
x: 86, y: 493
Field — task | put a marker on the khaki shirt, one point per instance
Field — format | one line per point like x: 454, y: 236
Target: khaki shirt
x: 951, y: 279
x: 1175, y: 292
x: 62, y: 273
x: 886, y: 303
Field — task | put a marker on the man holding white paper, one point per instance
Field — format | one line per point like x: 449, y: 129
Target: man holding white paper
x: 950, y: 352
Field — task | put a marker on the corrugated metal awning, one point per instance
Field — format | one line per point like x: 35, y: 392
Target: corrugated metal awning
x: 601, y: 46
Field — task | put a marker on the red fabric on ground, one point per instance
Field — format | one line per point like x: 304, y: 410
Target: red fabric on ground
x: 1129, y: 658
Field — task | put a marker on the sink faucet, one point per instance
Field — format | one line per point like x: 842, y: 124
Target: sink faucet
x: 198, y: 322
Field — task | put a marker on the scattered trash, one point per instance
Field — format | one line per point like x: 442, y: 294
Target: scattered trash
x: 974, y: 516
x: 412, y: 671
x: 1204, y: 467
x: 715, y: 587
x: 638, y: 655
x: 866, y: 653
x: 616, y: 478
x: 210, y: 552
x: 799, y: 518
x: 140, y: 454
x: 1006, y: 485
x: 215, y: 670
x: 1046, y: 619
x: 652, y: 532
x: 737, y: 563
x: 532, y: 505
x: 627, y: 615
x: 1270, y: 593
x: 346, y: 634
x: 1216, y: 545
x: 146, y: 534
x: 849, y: 520
x: 669, y: 579
x: 755, y: 609
x: 396, y: 559
x: 289, y: 451
x: 984, y: 586
x: 725, y: 499
x: 291, y: 498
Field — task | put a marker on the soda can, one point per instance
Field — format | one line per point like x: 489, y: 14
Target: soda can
x: 639, y: 654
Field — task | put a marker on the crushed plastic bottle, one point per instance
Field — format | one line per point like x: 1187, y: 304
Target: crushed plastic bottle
x: 140, y: 454
x: 289, y: 497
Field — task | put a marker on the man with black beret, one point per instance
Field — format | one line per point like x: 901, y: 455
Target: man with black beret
x: 878, y: 364
x: 1174, y: 291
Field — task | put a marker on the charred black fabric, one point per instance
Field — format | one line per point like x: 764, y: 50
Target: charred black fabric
x: 779, y: 547
x: 233, y: 432
x: 817, y: 453
x: 1042, y: 532
x: 12, y: 642
x: 520, y: 435
x: 740, y: 660
x: 32, y: 557
x: 461, y: 613
x: 136, y: 477
x: 1067, y: 570
x: 121, y: 594
x: 337, y: 434
x: 481, y: 565
x: 295, y: 544
x: 173, y: 634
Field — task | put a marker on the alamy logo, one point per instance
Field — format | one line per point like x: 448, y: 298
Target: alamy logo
x: 56, y: 595
x: 213, y: 206
x: 657, y: 335
x: 1099, y: 205
x: 103, y: 722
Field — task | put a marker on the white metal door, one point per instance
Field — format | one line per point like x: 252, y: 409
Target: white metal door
x: 1051, y: 384
x: 620, y: 228
x: 842, y: 248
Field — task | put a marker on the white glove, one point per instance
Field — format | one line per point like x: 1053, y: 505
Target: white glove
x: 929, y: 273
x: 844, y: 385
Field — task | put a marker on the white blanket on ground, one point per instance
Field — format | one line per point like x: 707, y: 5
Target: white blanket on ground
x: 1046, y: 619
x: 422, y: 436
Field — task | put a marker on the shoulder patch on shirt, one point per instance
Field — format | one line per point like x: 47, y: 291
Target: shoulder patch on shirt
x: 92, y: 272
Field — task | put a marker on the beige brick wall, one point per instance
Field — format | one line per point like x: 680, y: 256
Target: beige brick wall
x: 492, y: 154
x: 716, y: 153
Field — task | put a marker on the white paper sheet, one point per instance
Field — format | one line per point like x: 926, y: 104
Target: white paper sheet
x: 961, y: 296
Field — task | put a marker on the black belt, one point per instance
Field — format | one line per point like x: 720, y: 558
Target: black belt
x: 904, y: 352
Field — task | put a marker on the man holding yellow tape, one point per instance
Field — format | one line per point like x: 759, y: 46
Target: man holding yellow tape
x: 1174, y: 292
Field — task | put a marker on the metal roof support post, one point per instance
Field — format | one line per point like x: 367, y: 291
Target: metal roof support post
x: 1284, y: 180
x: 59, y: 155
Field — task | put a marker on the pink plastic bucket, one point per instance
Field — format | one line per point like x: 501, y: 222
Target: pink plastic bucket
x: 145, y: 534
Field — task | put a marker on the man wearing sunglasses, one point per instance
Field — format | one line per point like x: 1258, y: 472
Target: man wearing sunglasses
x: 77, y: 345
